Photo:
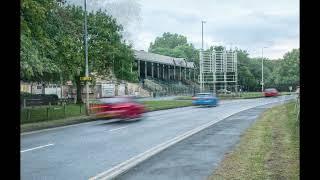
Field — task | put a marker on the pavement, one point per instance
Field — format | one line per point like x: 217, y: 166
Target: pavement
x: 85, y: 150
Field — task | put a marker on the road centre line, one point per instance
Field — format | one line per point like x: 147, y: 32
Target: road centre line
x: 36, y: 148
x: 118, y: 128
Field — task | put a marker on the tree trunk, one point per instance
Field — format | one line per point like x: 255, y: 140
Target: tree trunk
x: 43, y: 88
x: 79, y: 90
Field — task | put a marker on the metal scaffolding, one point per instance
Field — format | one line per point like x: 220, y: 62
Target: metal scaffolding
x: 218, y: 70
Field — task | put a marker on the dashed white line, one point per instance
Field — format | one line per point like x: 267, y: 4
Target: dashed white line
x: 118, y: 128
x: 36, y: 148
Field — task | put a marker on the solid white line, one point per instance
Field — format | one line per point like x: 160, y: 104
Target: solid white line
x: 118, y: 128
x: 36, y: 148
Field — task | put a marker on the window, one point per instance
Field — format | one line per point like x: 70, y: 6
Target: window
x: 39, y: 87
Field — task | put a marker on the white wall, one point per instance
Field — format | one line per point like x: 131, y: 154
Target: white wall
x: 107, y: 90
x: 52, y: 90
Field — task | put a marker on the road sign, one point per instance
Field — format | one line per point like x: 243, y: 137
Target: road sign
x: 85, y: 78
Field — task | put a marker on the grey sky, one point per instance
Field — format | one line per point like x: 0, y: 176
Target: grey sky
x: 247, y: 24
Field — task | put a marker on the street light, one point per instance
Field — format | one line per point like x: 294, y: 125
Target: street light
x: 201, y: 81
x: 262, y: 82
x: 86, y: 55
x: 202, y: 22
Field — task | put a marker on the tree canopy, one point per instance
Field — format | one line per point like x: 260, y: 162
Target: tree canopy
x: 280, y: 73
x: 174, y: 45
x: 52, y: 43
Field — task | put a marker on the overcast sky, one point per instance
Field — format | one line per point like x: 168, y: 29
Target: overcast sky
x: 247, y: 24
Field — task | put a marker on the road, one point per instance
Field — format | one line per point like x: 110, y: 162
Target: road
x: 198, y: 156
x: 86, y: 150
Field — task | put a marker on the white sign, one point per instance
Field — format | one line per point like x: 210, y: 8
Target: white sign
x: 290, y: 88
x: 121, y: 89
x: 107, y: 90
x: 53, y: 90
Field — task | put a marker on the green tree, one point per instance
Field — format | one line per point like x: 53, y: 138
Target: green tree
x: 174, y: 45
x: 287, y: 73
x: 36, y: 63
x: 52, y: 44
x: 246, y: 78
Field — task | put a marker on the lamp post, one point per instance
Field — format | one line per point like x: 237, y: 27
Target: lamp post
x: 86, y: 55
x: 201, y: 56
x: 262, y: 80
x: 202, y: 22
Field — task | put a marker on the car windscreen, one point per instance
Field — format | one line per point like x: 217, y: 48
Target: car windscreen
x: 270, y: 90
x: 204, y: 95
x: 114, y: 100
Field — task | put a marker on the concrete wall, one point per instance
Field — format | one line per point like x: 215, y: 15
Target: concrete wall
x: 24, y: 87
x: 136, y: 89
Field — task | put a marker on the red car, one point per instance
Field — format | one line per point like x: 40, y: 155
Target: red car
x: 271, y: 92
x: 125, y: 108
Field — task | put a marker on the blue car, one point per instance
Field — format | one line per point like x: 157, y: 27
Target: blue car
x: 205, y: 99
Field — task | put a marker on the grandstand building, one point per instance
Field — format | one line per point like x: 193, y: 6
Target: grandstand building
x: 163, y: 67
x: 165, y: 75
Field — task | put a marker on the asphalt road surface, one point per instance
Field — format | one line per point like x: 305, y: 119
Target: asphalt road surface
x: 85, y: 150
x: 197, y: 156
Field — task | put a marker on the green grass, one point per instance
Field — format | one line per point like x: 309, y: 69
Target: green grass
x: 166, y: 104
x: 246, y: 95
x: 267, y: 150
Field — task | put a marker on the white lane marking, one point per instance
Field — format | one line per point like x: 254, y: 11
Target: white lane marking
x: 118, y: 128
x: 36, y: 148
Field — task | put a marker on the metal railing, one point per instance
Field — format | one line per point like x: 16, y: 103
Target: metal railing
x: 170, y: 87
x: 297, y: 106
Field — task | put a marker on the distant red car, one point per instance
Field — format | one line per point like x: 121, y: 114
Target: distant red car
x: 271, y: 92
x: 125, y: 108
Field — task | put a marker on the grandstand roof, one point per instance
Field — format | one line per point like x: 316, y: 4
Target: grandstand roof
x: 151, y: 57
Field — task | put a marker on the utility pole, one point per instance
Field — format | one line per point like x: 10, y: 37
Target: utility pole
x: 201, y: 58
x: 262, y: 81
x: 202, y: 22
x: 86, y: 55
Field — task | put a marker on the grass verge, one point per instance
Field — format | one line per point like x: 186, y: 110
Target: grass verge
x: 246, y: 95
x: 267, y: 150
x: 165, y: 104
x: 40, y: 122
